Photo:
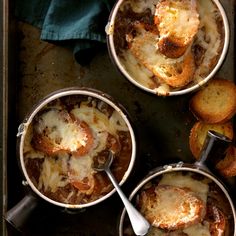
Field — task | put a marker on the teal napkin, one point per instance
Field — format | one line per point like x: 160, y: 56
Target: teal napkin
x: 77, y: 24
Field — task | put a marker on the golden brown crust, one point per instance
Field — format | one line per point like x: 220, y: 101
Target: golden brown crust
x: 173, y: 72
x: 177, y: 22
x: 199, y: 132
x: 227, y: 167
x: 177, y: 74
x: 216, y: 102
x: 171, y: 47
x: 171, y: 208
x: 43, y: 144
x: 217, y: 220
x: 54, y: 139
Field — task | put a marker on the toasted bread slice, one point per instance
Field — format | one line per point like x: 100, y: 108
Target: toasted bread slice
x: 227, y: 167
x: 199, y: 132
x: 57, y: 131
x: 173, y: 72
x: 217, y: 219
x: 216, y: 102
x: 177, y: 22
x: 171, y: 208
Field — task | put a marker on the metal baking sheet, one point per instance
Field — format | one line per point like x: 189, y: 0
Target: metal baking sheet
x: 33, y: 69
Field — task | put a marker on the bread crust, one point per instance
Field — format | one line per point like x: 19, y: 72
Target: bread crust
x: 216, y: 102
x: 177, y: 22
x: 217, y: 220
x: 171, y: 208
x: 178, y: 74
x: 199, y: 131
x: 171, y: 47
x: 49, y: 139
x: 173, y: 72
x: 227, y: 166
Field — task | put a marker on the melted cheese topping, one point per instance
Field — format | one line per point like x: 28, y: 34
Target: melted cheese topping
x: 65, y: 168
x: 198, y: 230
x: 69, y: 134
x: 207, y: 37
x: 200, y: 188
x: 175, y: 206
x: 173, y: 16
x: 100, y: 122
x: 82, y: 167
x: 143, y: 75
x: 186, y: 181
x: 53, y: 174
x: 195, y: 230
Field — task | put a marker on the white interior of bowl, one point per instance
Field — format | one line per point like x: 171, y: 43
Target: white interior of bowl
x: 110, y: 35
x: 71, y: 92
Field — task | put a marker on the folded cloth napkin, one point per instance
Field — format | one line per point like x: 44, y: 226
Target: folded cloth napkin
x: 78, y: 24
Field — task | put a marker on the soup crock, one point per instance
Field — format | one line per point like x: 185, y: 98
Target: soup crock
x: 213, y: 144
x: 129, y: 72
x: 17, y: 214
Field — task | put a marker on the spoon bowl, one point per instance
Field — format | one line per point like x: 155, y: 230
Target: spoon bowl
x: 103, y: 163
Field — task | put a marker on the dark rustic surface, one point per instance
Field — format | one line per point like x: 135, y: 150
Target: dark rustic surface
x: 1, y: 114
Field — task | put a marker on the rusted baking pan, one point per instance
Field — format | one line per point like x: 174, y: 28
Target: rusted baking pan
x: 33, y: 69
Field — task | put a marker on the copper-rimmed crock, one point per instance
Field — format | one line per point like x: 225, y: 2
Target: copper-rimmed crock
x: 198, y: 168
x: 138, y: 78
x: 14, y: 214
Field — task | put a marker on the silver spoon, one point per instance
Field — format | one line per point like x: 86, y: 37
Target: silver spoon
x: 139, y: 223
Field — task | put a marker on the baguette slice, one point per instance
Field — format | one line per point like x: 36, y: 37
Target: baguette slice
x: 171, y: 208
x: 227, y: 167
x: 199, y: 132
x: 177, y: 22
x: 217, y: 219
x: 174, y: 72
x: 57, y: 131
x: 216, y: 102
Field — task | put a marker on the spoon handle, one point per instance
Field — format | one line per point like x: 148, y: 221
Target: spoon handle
x: 139, y: 223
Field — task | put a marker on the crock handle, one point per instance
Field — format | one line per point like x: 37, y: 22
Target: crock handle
x: 214, y: 149
x: 20, y: 213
